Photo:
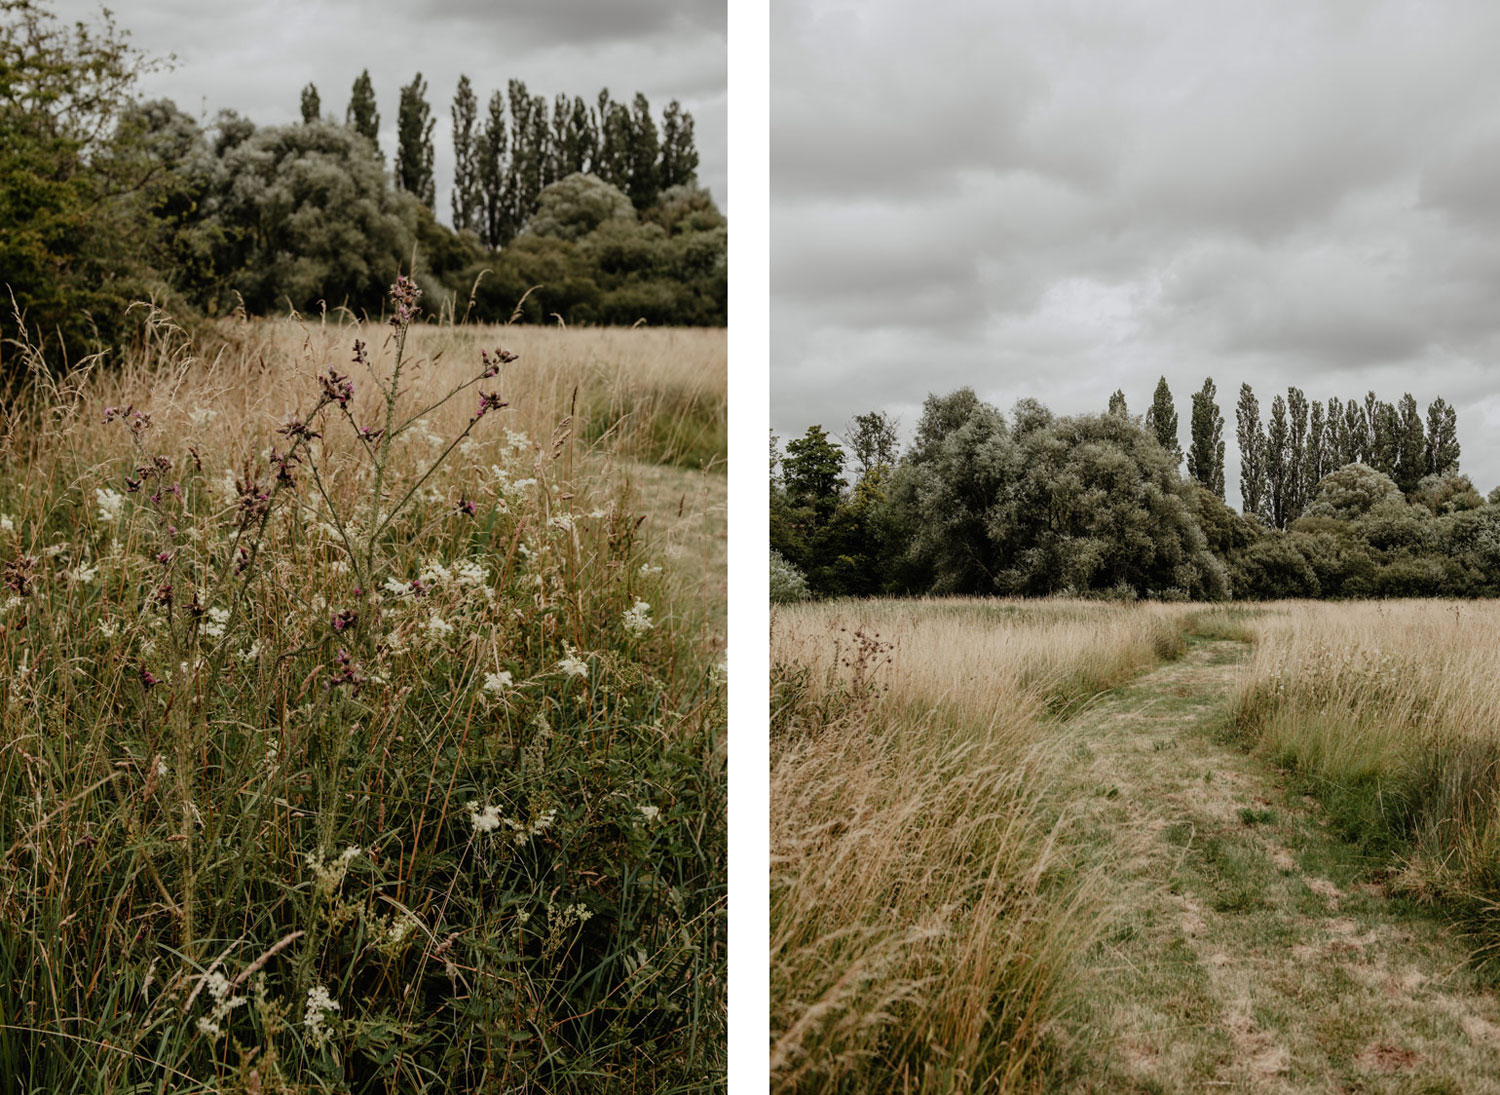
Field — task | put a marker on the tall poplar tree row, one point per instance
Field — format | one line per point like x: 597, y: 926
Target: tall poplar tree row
x: 489, y: 173
x: 1296, y: 455
x: 1442, y: 438
x: 1205, y: 459
x: 1411, y: 445
x: 1278, y: 463
x: 414, y: 142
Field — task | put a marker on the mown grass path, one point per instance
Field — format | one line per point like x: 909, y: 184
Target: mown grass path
x: 1251, y: 949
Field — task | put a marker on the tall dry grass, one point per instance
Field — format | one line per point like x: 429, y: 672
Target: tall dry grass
x: 923, y: 919
x: 1391, y: 710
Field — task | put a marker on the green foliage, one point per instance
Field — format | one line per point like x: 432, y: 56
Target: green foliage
x: 1161, y: 419
x: 467, y: 197
x: 1442, y: 437
x: 577, y: 205
x: 1352, y: 492
x: 788, y: 585
x: 1252, y: 443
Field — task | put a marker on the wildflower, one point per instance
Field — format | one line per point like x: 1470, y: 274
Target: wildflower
x: 467, y: 572
x: 563, y: 521
x: 492, y: 367
x: 111, y: 502
x: 83, y: 573
x: 218, y: 619
x: 328, y: 874
x: 201, y: 416
x: 404, y: 295
x: 650, y: 813
x: 438, y: 628
x: 337, y: 388
x: 539, y: 825
x: 148, y: 680
x: 486, y: 820
x: 315, y: 1016
x: 109, y: 628
x: 572, y: 665
x: 7, y: 523
x: 488, y: 401
x: 218, y: 987
x: 466, y: 507
x: 648, y: 570
x: 249, y: 653
x: 638, y: 618
x: 497, y: 682
x: 345, y: 619
x: 522, y: 484
x: 435, y: 573
x: 397, y: 588
x: 161, y: 767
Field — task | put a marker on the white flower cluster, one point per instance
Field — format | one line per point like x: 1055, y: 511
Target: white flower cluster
x: 495, y: 683
x: 218, y: 619
x: 218, y: 988
x: 538, y: 826
x: 83, y: 573
x: 315, y: 1017
x: 649, y: 570
x: 572, y: 665
x: 7, y: 523
x: 329, y: 874
x: 485, y: 820
x: 229, y: 488
x: 111, y: 503
x: 438, y: 628
x: 638, y: 618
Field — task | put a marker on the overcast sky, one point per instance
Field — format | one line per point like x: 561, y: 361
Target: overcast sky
x: 1057, y: 199
x: 256, y: 56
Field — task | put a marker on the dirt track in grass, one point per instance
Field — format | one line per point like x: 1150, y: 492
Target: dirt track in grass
x: 1251, y: 949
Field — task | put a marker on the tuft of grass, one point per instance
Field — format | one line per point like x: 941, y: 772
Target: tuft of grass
x: 342, y: 761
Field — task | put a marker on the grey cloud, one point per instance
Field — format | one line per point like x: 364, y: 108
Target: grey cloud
x: 587, y: 21
x: 1058, y: 200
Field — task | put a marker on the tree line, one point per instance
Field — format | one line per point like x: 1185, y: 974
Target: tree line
x: 506, y: 158
x: 1339, y: 499
x: 583, y: 216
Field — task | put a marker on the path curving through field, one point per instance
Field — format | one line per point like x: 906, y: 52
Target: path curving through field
x: 1251, y: 949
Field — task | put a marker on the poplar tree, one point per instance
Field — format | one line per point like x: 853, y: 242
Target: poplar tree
x: 1205, y: 460
x: 1252, y: 444
x: 1334, y: 441
x: 489, y: 174
x: 613, y: 124
x: 312, y: 106
x: 1278, y: 463
x: 361, y: 116
x: 1296, y: 452
x: 1442, y: 437
x: 1161, y: 418
x: 1356, y: 435
x: 1385, y: 441
x: 1372, y: 440
x: 1317, y: 454
x: 679, y: 157
x: 414, y: 142
x: 467, y: 197
x: 645, y: 150
x: 1117, y: 404
x: 1411, y: 445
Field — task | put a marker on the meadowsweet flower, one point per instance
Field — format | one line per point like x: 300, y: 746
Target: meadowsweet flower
x: 315, y: 1016
x: 435, y: 573
x: 539, y: 825
x: 522, y: 484
x: 161, y: 767
x: 562, y: 521
x: 497, y: 682
x: 486, y: 820
x: 638, y: 618
x: 7, y: 523
x: 218, y: 619
x: 397, y: 588
x: 329, y: 874
x: 218, y: 988
x: 649, y: 569
x: 202, y: 416
x: 83, y: 573
x: 111, y: 502
x: 438, y: 628
x: 468, y: 572
x: 572, y: 665
x: 109, y: 628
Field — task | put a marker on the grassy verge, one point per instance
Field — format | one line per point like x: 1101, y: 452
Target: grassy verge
x: 1389, y: 712
x: 925, y: 921
x: 350, y: 762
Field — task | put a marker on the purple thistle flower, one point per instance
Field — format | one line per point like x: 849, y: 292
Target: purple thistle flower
x: 345, y: 619
x: 148, y: 679
x: 466, y: 507
x: 488, y: 401
x: 337, y: 387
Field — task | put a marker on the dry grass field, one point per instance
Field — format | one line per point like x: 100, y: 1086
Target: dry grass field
x: 1071, y: 846
x: 362, y: 712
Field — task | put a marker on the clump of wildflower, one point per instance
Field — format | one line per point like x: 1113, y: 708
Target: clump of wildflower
x: 638, y: 618
x: 344, y: 620
x: 218, y: 620
x: 492, y: 366
x: 468, y: 572
x: 337, y: 387
x: 404, y: 295
x: 320, y: 1006
x: 572, y: 665
x: 111, y: 502
x: 495, y: 683
x: 539, y: 825
x: 438, y: 628
x: 466, y: 507
x: 83, y: 573
x: 7, y: 523
x: 649, y: 570
x: 489, y: 401
x: 329, y: 874
x: 222, y: 1004
x: 485, y: 820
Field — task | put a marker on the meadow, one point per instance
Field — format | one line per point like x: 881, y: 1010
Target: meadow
x: 362, y: 710
x: 1065, y: 845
